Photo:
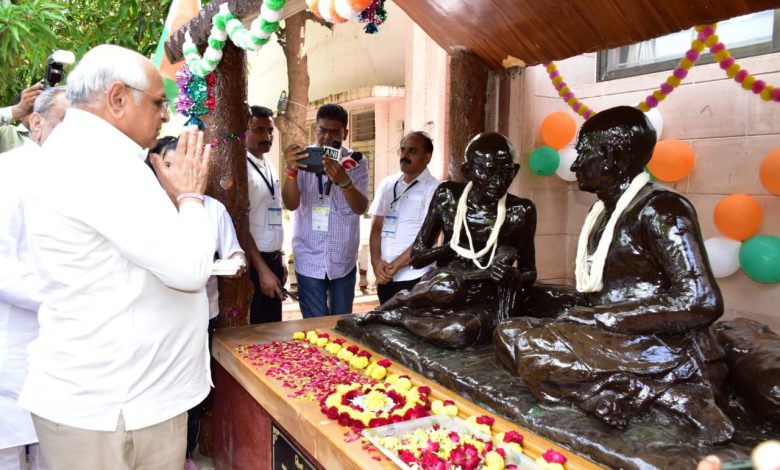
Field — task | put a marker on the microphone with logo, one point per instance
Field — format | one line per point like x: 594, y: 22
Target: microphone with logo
x: 347, y: 160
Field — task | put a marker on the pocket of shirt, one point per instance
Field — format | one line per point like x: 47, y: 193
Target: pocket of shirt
x: 410, y: 208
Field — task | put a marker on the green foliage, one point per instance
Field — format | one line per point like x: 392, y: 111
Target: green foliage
x: 30, y: 30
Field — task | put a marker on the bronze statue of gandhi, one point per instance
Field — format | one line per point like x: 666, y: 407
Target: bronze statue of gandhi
x: 485, y: 262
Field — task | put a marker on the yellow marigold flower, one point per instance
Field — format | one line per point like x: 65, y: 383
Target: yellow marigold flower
x: 342, y: 389
x: 673, y: 81
x: 437, y: 406
x: 733, y: 69
x: 494, y: 461
x: 370, y: 368
x: 686, y: 64
x: 311, y: 334
x: 378, y: 373
x: 766, y: 93
x: 712, y: 40
x: 333, y: 348
x: 403, y: 383
x: 514, y: 446
x: 391, y: 379
x: 333, y: 400
x: 321, y: 342
x: 299, y: 335
x: 390, y: 443
x: 375, y: 401
x: 358, y: 362
x: 748, y: 82
x: 345, y: 355
x: 450, y: 410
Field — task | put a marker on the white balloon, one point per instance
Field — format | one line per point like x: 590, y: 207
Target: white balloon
x: 344, y: 10
x: 568, y: 155
x: 657, y: 121
x: 723, y: 253
x: 324, y: 7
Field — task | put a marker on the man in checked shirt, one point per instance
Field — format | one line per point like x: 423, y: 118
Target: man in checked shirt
x: 326, y: 218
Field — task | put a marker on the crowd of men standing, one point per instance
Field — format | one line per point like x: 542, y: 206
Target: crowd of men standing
x: 104, y: 312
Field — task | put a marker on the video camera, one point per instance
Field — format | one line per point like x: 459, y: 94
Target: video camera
x: 55, y: 64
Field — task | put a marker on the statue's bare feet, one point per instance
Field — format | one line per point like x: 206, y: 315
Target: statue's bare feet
x: 611, y: 407
x: 392, y: 317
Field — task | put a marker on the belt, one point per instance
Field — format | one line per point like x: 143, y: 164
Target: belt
x: 272, y: 255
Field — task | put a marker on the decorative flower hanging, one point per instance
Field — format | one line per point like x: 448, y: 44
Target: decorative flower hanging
x: 372, y: 13
x: 196, y: 96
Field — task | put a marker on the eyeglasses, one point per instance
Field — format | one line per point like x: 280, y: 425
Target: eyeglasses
x: 161, y: 103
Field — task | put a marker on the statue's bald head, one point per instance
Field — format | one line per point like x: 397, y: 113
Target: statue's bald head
x: 626, y: 132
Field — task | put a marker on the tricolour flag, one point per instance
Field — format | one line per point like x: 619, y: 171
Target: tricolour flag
x: 180, y: 13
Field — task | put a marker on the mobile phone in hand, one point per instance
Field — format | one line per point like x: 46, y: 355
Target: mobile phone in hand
x: 313, y: 160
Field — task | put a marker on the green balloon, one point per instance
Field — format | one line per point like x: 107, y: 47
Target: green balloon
x: 759, y: 257
x: 545, y: 160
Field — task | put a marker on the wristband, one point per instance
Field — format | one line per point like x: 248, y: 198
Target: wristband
x: 292, y: 174
x: 183, y: 196
x: 346, y: 185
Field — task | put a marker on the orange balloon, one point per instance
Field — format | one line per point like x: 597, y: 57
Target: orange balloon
x: 334, y: 15
x: 359, y: 5
x: 738, y: 216
x: 672, y: 160
x: 315, y: 8
x: 770, y: 171
x: 558, y: 129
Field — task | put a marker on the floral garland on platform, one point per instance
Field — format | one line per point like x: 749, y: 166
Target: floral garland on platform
x: 355, y: 391
x: 705, y: 38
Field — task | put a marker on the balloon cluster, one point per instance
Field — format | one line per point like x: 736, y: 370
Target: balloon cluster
x: 739, y: 218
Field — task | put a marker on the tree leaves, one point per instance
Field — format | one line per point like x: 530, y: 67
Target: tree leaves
x: 30, y: 30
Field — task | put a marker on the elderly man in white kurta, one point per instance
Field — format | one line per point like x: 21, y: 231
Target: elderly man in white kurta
x: 122, y: 352
x: 19, y: 286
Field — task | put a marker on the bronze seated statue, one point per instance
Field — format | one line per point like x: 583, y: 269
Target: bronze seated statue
x: 637, y: 332
x: 459, y: 302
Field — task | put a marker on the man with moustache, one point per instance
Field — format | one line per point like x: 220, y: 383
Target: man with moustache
x: 486, y: 261
x: 398, y: 211
x: 122, y: 351
x: 260, y: 233
x: 326, y: 219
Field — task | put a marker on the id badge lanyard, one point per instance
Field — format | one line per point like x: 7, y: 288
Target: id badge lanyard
x: 274, y: 215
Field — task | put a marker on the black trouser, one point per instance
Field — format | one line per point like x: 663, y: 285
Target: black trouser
x: 266, y: 309
x: 195, y: 414
x: 387, y: 291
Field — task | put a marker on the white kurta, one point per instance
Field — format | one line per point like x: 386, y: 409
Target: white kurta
x: 19, y: 296
x: 225, y: 244
x: 124, y: 313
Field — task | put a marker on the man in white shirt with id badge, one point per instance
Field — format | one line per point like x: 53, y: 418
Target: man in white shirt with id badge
x: 260, y: 232
x: 398, y: 212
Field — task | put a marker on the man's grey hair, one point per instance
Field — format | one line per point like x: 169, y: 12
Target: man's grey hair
x: 102, y: 66
x: 47, y: 98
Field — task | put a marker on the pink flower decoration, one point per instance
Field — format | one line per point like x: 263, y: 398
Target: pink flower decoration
x: 484, y: 419
x: 552, y: 456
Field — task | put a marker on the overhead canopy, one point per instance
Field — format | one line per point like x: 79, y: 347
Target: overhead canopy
x: 536, y: 31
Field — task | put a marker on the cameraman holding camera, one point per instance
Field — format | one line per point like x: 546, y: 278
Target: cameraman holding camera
x: 326, y: 207
x: 13, y: 136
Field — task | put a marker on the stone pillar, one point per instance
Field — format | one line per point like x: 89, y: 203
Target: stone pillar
x: 468, y: 95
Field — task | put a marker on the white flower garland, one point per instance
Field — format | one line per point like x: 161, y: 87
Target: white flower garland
x: 461, y: 223
x: 225, y: 25
x: 589, y: 270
